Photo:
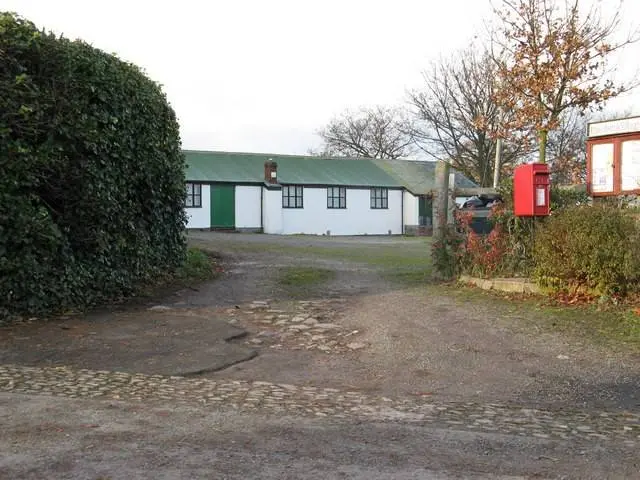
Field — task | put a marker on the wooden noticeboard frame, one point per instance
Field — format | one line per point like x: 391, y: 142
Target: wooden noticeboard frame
x: 613, y: 157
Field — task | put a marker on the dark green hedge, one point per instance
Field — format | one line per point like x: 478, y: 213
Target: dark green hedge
x: 91, y: 174
x: 590, y: 247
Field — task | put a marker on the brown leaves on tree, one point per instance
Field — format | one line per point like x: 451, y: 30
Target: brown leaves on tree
x: 552, y: 57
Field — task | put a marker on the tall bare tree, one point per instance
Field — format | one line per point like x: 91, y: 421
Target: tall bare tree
x: 376, y: 132
x: 567, y: 145
x: 457, y: 119
x: 552, y: 58
x: 567, y: 149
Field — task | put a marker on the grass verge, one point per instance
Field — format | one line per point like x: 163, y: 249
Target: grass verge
x: 406, y: 263
x: 610, y: 326
x: 411, y: 277
x: 304, y: 276
x: 199, y: 265
x: 300, y: 281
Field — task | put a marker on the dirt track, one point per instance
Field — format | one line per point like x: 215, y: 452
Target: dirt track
x: 419, y: 339
x: 368, y: 334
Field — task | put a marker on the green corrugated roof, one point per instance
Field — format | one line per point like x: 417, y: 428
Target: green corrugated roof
x: 419, y: 176
x: 301, y: 170
x: 416, y: 176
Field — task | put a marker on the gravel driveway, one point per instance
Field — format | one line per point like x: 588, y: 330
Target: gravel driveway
x: 419, y: 340
x: 367, y: 374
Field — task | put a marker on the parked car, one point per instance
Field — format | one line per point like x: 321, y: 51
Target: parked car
x: 480, y: 205
x: 482, y: 201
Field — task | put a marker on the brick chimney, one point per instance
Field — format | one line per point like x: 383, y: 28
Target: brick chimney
x: 270, y: 171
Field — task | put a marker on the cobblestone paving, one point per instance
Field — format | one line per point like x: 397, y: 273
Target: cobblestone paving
x: 320, y: 402
x: 304, y: 325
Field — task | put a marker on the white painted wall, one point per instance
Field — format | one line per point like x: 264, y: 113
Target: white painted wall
x: 201, y: 217
x: 411, y: 212
x: 248, y: 206
x: 272, y: 210
x: 357, y: 219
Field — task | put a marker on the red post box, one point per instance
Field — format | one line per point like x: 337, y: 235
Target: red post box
x: 531, y: 190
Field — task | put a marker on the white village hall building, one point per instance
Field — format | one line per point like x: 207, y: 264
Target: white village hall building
x: 284, y: 194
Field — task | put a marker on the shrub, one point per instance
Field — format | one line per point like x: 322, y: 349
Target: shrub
x: 445, y: 252
x: 508, y: 249
x: 462, y: 250
x: 198, y: 265
x: 91, y: 174
x: 565, y: 197
x: 519, y: 232
x: 593, y: 248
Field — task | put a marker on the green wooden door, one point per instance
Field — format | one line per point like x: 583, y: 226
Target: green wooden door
x: 223, y: 206
x: 425, y: 210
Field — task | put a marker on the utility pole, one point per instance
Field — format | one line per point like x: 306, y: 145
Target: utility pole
x: 496, y: 167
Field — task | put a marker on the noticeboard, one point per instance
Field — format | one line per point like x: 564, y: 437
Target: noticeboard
x: 613, y: 157
x: 602, y: 168
x: 630, y: 165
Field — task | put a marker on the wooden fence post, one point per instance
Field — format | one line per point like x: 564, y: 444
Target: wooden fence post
x: 441, y: 199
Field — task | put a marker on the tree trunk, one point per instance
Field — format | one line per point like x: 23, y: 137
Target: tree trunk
x: 543, y: 136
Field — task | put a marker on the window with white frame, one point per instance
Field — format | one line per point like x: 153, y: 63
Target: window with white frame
x: 194, y: 195
x: 336, y: 197
x: 379, y: 198
x: 292, y: 196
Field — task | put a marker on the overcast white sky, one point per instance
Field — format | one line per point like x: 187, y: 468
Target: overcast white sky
x: 264, y: 75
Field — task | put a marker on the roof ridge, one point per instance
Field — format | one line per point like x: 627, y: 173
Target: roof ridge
x: 291, y: 155
x: 228, y: 152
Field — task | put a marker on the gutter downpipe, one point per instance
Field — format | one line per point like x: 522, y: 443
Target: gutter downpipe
x: 402, y: 212
x: 262, y: 208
